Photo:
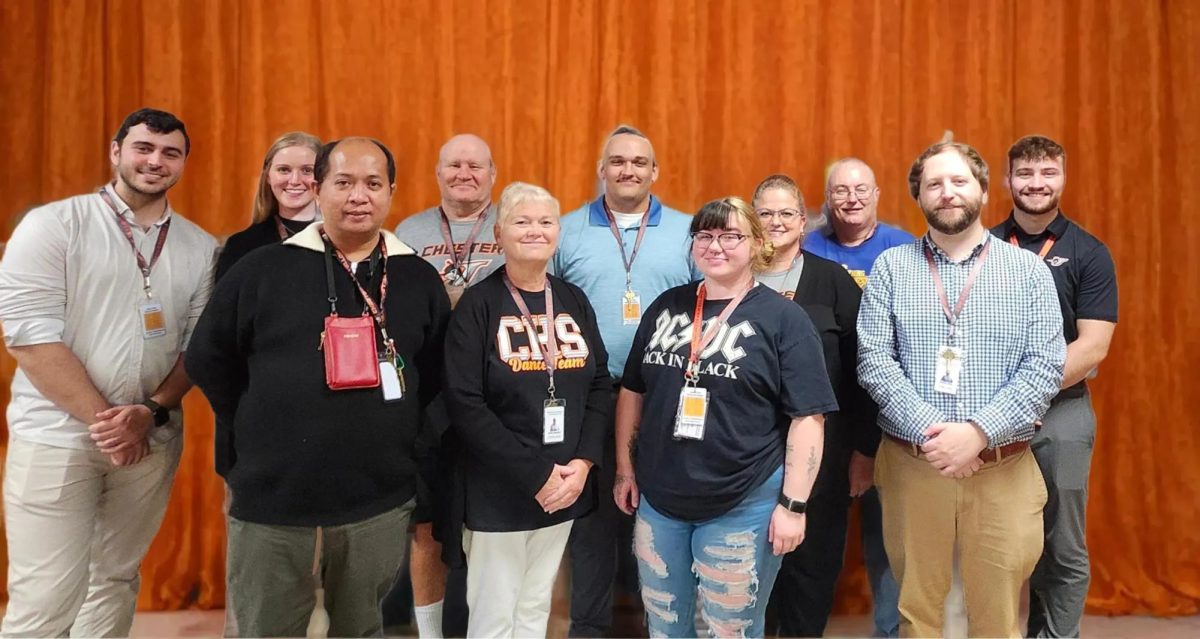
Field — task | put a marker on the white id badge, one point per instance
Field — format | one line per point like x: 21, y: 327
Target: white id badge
x: 947, y: 370
x: 693, y: 409
x: 554, y: 421
x: 389, y: 381
x: 631, y: 308
x: 154, y: 323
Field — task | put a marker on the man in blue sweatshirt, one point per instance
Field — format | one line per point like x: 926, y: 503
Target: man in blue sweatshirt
x: 623, y: 249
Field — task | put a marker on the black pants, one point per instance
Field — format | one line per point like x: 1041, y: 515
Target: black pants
x: 803, y: 596
x: 593, y: 550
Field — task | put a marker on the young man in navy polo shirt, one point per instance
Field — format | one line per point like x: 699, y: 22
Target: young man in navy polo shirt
x: 1086, y: 280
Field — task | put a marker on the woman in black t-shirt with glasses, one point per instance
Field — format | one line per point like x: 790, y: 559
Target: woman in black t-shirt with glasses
x: 718, y: 451
x: 528, y: 434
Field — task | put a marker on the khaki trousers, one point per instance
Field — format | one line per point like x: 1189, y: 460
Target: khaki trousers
x: 78, y: 528
x: 995, y: 516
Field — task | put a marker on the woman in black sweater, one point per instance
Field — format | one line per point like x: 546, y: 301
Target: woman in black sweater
x: 529, y: 434
x: 285, y: 202
x: 803, y: 595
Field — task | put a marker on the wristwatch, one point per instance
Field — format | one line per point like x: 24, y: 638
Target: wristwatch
x: 161, y: 415
x: 794, y: 505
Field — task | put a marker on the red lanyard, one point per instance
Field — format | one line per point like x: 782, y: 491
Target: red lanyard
x: 143, y: 266
x: 458, y: 261
x: 637, y: 243
x: 692, y: 374
x: 952, y: 315
x: 376, y: 310
x: 549, y: 354
x: 1046, y: 246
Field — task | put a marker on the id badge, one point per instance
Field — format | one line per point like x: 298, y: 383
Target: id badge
x: 390, y: 382
x: 154, y: 323
x: 554, y: 421
x: 947, y: 370
x: 693, y: 409
x: 631, y: 308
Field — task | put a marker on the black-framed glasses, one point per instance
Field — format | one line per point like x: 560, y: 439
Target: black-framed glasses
x: 842, y: 193
x: 727, y: 241
x: 787, y: 215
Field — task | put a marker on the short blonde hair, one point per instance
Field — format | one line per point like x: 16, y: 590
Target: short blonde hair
x: 518, y: 193
x: 716, y: 214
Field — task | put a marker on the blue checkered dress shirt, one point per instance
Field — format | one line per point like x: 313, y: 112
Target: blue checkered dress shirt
x: 1010, y: 331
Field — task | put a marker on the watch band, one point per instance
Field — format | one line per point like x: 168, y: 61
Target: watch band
x: 794, y: 505
x: 160, y: 414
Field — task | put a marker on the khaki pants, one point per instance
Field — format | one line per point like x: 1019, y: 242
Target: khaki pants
x: 994, y: 515
x: 78, y: 528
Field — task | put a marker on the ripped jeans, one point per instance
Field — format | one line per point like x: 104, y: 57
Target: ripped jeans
x: 727, y: 559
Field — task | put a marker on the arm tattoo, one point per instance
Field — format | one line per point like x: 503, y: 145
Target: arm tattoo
x: 812, y: 461
x: 787, y: 462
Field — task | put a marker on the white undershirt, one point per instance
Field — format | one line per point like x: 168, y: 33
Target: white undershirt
x: 627, y: 220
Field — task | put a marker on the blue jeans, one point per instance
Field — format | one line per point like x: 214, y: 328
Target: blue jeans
x: 727, y: 558
x: 884, y: 589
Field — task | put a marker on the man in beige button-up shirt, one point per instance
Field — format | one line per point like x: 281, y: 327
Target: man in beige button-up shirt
x: 99, y: 294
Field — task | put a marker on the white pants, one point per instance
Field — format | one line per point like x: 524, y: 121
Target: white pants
x: 510, y: 580
x: 78, y: 528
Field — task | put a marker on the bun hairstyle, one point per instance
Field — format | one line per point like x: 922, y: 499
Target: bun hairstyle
x: 716, y: 215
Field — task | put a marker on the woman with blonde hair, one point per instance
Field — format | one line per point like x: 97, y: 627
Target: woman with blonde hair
x: 719, y: 430
x: 529, y: 396
x: 285, y: 201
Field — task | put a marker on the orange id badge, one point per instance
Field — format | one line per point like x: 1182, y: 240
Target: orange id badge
x: 693, y: 409
x: 154, y: 323
x: 631, y: 309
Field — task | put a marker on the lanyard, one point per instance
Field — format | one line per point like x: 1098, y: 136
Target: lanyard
x: 952, y: 315
x: 458, y: 261
x: 376, y: 310
x: 627, y: 261
x: 549, y: 354
x: 692, y: 374
x: 1046, y: 246
x: 143, y: 266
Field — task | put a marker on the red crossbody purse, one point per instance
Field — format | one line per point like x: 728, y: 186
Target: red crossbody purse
x: 351, y: 357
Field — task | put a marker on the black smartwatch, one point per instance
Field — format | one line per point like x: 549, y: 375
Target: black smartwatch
x: 794, y: 505
x: 161, y: 415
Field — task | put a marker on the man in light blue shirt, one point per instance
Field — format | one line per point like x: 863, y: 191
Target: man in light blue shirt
x: 620, y: 279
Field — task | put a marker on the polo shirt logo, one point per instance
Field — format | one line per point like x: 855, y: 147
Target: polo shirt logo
x: 1057, y: 260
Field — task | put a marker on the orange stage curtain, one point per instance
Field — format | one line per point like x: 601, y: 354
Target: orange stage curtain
x: 729, y: 91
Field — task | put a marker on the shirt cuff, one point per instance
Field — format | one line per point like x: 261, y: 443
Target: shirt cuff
x: 33, y: 331
x: 991, y: 421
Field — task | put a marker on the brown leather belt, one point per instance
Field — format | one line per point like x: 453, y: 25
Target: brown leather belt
x: 987, y: 455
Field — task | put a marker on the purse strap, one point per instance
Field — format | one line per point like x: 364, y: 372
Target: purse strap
x: 329, y: 279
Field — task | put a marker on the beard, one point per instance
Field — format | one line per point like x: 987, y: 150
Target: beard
x: 952, y: 221
x: 129, y: 175
x: 1031, y: 208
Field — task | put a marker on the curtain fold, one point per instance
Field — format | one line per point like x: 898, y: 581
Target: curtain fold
x: 729, y: 92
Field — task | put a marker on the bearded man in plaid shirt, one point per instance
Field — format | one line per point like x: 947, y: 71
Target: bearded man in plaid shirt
x: 961, y: 345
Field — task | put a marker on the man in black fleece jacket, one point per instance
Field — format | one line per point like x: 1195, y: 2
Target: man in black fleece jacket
x: 320, y: 477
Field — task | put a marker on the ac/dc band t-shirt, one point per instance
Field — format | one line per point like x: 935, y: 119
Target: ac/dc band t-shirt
x: 763, y: 368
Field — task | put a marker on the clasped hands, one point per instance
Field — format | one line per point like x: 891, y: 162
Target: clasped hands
x: 563, y: 486
x: 953, y: 448
x: 122, y: 433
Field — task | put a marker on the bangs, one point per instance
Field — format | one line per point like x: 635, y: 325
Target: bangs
x: 714, y: 215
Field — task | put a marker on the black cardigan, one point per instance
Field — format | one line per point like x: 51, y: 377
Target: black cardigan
x: 292, y: 451
x: 831, y: 298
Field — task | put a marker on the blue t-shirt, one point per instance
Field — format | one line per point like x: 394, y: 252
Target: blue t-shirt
x: 856, y: 259
x: 589, y: 258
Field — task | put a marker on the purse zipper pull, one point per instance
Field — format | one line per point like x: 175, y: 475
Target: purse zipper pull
x: 321, y: 346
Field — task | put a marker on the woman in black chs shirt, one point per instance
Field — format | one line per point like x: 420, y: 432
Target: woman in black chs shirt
x: 719, y: 433
x: 803, y: 595
x: 528, y: 434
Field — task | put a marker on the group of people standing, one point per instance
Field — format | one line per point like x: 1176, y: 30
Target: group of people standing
x: 698, y: 396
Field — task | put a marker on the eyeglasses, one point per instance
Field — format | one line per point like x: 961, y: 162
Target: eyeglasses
x: 842, y: 193
x: 787, y: 215
x: 727, y: 241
